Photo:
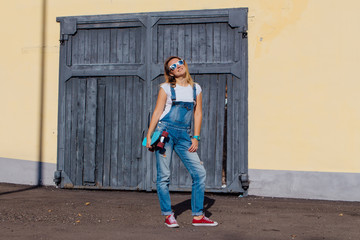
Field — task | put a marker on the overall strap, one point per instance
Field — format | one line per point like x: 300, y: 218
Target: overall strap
x: 194, y: 93
x: 173, y: 95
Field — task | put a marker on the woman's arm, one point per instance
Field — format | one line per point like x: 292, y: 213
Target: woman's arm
x: 197, y: 123
x: 159, y: 108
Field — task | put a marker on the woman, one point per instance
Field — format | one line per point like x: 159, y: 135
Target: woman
x: 179, y: 100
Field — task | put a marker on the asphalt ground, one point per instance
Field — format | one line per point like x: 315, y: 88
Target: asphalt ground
x: 50, y: 213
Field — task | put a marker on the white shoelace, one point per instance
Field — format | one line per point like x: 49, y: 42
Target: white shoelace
x: 207, y: 219
x: 172, y: 219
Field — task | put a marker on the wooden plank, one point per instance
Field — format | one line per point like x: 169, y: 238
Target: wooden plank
x: 132, y: 45
x: 107, y: 46
x: 192, y: 20
x: 231, y: 44
x: 114, y: 46
x: 73, y: 138
x: 126, y: 45
x: 128, y: 120
x: 81, y: 47
x: 68, y: 118
x: 93, y: 46
x: 139, y: 40
x: 100, y: 46
x: 181, y: 41
x: 223, y: 43
x: 230, y: 135
x: 114, y: 132
x: 188, y: 40
x: 217, y: 43
x: 139, y: 109
x: 126, y: 24
x: 107, y: 145
x: 236, y: 124
x: 90, y: 131
x: 244, y: 90
x: 100, y: 129
x: 173, y: 40
x: 119, y: 45
x: 135, y: 131
x: 160, y: 49
x: 202, y: 43
x: 68, y: 56
x: 242, y: 126
x: 220, y: 109
x: 87, y: 46
x: 237, y: 47
x: 212, y: 143
x: 195, y: 43
x: 155, y: 44
x: 80, y: 132
x: 122, y: 127
x: 75, y: 48
x: 209, y: 42
x: 167, y: 40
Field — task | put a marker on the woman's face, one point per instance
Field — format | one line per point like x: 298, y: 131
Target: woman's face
x: 180, y: 69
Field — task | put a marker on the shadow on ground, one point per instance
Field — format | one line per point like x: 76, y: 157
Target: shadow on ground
x: 19, y: 190
x: 186, y: 205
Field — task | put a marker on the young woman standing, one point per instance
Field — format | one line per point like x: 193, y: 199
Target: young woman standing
x: 179, y: 100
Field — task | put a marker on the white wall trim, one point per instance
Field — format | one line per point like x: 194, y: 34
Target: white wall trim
x: 25, y: 172
x: 301, y: 184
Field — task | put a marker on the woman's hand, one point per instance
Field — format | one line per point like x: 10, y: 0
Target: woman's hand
x: 148, y: 142
x: 194, y: 146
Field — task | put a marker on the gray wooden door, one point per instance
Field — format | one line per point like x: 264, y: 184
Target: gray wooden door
x: 110, y: 70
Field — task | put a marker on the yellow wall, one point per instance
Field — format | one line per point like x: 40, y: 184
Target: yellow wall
x: 303, y: 84
x: 20, y: 23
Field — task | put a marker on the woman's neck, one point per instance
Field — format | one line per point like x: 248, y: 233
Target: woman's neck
x: 181, y: 82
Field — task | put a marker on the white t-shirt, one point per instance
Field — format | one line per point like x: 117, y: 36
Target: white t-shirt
x: 183, y: 94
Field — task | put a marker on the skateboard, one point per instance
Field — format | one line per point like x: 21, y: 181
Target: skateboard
x: 157, y: 140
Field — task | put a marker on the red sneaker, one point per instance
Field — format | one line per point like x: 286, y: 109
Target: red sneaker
x: 170, y: 221
x: 204, y: 222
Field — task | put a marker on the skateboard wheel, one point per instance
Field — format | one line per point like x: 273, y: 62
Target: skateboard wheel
x: 160, y: 144
x: 165, y: 134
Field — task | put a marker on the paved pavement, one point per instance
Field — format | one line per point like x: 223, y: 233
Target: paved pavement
x: 51, y: 213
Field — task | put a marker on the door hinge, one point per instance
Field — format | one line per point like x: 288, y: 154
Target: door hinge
x: 57, y: 177
x: 244, y: 180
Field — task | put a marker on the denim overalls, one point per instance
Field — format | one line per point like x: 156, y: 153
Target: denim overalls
x: 178, y: 124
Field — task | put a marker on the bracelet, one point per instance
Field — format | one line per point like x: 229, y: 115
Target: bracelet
x: 197, y: 138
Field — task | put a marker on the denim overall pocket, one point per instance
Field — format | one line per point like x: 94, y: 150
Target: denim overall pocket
x: 181, y: 114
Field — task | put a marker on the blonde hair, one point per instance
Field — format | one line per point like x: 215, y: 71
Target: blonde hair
x: 171, y: 79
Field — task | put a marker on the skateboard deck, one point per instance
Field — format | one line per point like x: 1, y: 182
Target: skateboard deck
x: 154, y: 138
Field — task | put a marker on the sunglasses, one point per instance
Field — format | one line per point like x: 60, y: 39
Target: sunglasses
x: 174, y: 66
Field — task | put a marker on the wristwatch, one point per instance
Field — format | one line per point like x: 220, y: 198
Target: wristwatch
x: 197, y: 138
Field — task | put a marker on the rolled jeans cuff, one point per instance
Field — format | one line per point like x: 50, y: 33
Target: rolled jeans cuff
x: 166, y: 213
x: 197, y: 213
